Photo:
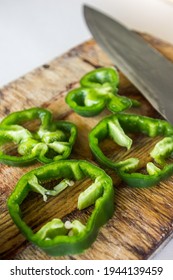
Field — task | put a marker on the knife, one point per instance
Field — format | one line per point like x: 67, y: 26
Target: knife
x: 144, y: 66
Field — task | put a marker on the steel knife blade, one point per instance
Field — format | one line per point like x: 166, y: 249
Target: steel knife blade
x: 143, y: 65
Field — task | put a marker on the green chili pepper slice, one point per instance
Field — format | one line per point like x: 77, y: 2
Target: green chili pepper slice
x: 116, y: 127
x: 69, y: 237
x: 52, y: 141
x: 98, y: 90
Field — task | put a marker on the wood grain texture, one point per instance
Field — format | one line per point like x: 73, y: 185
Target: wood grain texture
x: 143, y: 219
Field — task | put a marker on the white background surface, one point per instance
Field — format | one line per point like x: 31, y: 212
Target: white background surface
x: 32, y: 32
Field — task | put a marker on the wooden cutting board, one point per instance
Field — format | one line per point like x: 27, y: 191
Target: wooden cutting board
x: 143, y: 218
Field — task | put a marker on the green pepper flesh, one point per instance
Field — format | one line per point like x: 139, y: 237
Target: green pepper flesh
x: 52, y: 141
x: 115, y: 127
x: 61, y: 238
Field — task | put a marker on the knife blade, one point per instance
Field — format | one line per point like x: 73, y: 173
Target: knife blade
x: 143, y: 65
